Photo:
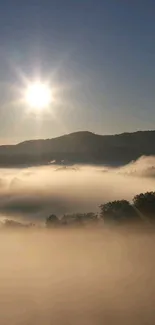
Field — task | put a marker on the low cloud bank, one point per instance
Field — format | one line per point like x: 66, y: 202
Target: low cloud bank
x: 144, y: 166
x: 34, y: 193
x: 78, y: 277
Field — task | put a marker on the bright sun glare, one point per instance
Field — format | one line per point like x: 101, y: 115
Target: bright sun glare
x: 38, y: 95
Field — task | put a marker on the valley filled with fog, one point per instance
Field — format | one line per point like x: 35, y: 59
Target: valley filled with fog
x: 77, y: 277
x: 97, y: 275
x: 31, y: 194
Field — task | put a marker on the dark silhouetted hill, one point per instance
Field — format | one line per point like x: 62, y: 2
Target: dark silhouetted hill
x: 80, y: 147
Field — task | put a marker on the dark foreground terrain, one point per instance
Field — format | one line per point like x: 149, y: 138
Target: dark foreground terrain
x: 77, y: 277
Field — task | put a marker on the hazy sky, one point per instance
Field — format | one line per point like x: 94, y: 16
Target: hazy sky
x: 98, y: 54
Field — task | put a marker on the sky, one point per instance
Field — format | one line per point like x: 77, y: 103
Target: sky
x: 99, y: 56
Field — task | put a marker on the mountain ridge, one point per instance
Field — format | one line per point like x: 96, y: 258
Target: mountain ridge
x: 83, y: 132
x: 81, y: 147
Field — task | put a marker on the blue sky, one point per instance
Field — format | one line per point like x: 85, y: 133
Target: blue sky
x: 99, y: 54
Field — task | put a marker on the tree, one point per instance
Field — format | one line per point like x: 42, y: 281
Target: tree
x: 78, y: 218
x: 118, y: 211
x: 67, y: 219
x: 8, y: 223
x: 89, y: 218
x: 85, y: 218
x: 52, y: 221
x: 145, y: 204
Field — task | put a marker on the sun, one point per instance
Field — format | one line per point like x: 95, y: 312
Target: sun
x: 38, y: 95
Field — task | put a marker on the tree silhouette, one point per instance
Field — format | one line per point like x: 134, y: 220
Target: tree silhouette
x: 78, y: 218
x: 118, y: 211
x: 145, y: 204
x: 9, y: 223
x: 52, y: 221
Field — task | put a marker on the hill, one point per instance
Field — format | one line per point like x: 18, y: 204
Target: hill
x: 81, y: 147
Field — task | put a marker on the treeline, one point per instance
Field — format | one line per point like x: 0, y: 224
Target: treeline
x: 141, y: 209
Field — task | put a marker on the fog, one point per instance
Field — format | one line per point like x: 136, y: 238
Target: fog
x: 77, y: 277
x: 34, y: 193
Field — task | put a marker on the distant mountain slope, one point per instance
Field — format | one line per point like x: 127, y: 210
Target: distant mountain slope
x: 81, y: 147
